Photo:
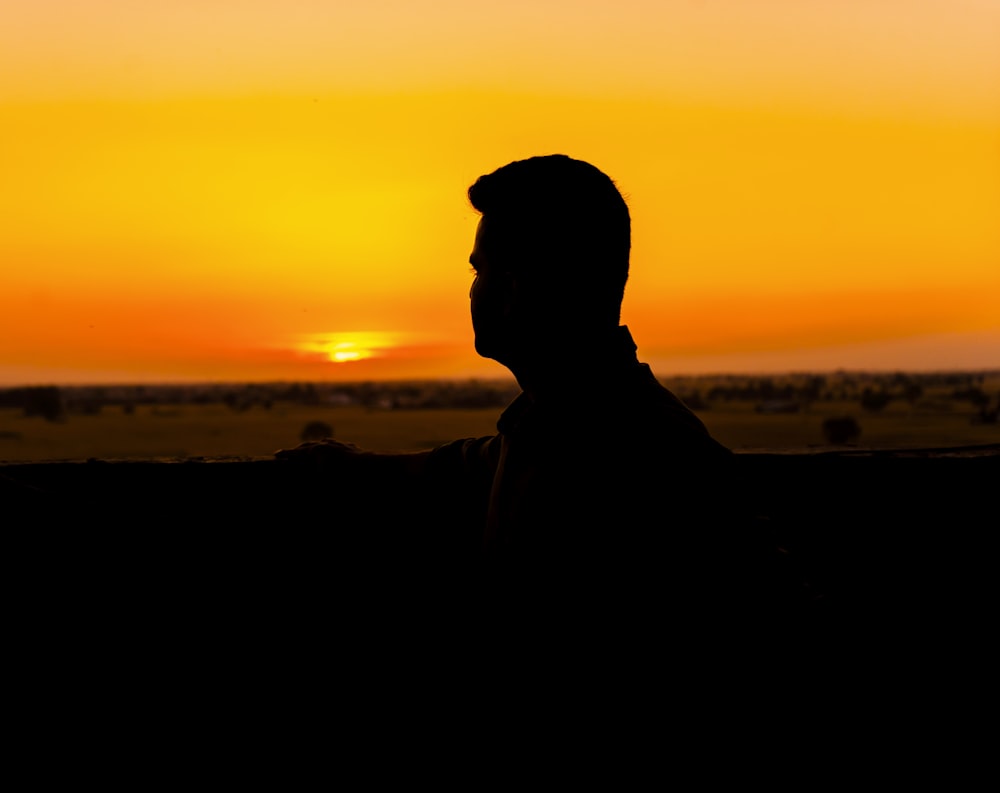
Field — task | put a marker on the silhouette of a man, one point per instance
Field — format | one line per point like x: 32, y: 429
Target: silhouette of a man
x: 599, y: 480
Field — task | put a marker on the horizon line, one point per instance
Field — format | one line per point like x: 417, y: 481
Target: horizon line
x: 494, y: 379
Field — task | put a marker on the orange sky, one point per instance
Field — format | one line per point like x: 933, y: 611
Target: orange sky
x: 257, y: 189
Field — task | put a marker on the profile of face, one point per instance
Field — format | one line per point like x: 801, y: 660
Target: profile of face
x: 492, y: 299
x: 514, y: 316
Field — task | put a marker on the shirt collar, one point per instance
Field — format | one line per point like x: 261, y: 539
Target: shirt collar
x: 607, y: 361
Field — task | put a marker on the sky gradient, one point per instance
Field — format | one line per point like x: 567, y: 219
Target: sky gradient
x: 271, y: 190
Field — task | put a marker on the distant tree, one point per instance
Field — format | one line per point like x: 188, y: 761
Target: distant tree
x: 873, y: 400
x: 316, y: 431
x: 694, y: 400
x: 986, y: 415
x: 307, y: 394
x: 88, y: 407
x: 973, y: 394
x: 840, y: 430
x: 44, y: 401
x: 912, y: 391
x: 811, y: 390
x: 236, y: 401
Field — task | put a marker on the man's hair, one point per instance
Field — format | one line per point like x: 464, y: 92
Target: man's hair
x: 561, y: 222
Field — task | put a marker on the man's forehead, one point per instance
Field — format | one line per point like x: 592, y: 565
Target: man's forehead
x: 520, y: 236
x: 487, y: 235
x: 496, y: 234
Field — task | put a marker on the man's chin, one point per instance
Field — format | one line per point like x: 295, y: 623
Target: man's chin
x: 487, y: 350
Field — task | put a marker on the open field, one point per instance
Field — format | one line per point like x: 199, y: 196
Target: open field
x: 213, y: 430
x: 898, y: 426
x: 190, y: 430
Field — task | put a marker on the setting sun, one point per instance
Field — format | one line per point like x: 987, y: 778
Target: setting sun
x: 344, y: 347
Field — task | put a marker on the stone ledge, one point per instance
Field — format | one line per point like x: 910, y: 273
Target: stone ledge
x: 908, y: 532
x: 169, y: 584
x: 876, y: 488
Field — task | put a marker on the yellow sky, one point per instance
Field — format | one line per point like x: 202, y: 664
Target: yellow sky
x: 255, y: 190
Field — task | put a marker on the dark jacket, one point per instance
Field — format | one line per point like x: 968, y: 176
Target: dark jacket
x: 607, y: 494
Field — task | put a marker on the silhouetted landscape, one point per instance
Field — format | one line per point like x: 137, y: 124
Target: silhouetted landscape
x: 259, y: 569
x: 795, y: 411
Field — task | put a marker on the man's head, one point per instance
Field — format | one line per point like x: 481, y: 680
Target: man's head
x: 551, y: 254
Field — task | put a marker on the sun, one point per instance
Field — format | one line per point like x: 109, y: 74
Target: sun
x: 347, y: 351
x: 347, y: 346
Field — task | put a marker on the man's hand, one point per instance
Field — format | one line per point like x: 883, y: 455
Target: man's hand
x: 329, y: 453
x: 326, y: 452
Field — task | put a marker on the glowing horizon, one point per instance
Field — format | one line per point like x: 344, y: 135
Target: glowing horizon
x: 194, y: 192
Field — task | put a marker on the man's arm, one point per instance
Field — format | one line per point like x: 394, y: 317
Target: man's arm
x: 337, y: 455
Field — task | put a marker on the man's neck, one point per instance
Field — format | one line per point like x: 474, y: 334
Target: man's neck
x: 555, y: 366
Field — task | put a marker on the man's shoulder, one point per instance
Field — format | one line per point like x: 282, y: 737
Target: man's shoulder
x: 648, y: 413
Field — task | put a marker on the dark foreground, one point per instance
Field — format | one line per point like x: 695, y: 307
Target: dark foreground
x: 224, y: 589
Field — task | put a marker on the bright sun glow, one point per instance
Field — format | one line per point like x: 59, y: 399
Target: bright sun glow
x: 347, y: 346
x: 340, y: 355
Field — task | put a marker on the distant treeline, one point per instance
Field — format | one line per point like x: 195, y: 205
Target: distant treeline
x: 872, y: 391
x: 787, y: 393
x: 54, y: 402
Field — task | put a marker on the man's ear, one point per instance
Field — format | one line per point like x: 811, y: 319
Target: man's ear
x: 512, y: 301
x: 522, y: 296
x: 537, y: 310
